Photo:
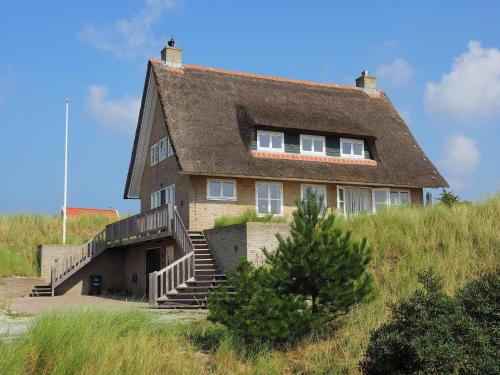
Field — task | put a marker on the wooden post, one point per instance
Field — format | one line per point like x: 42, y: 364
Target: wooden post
x: 52, y: 280
x: 153, y: 288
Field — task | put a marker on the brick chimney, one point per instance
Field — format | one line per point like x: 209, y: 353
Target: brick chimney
x: 366, y: 82
x: 170, y: 55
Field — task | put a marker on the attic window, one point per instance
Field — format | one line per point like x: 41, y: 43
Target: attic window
x: 154, y: 154
x: 312, y: 144
x: 165, y: 148
x: 352, y: 148
x: 270, y: 141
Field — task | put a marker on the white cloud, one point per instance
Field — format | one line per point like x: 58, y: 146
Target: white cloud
x: 459, y: 160
x: 398, y: 73
x: 130, y: 38
x: 116, y: 115
x: 471, y: 91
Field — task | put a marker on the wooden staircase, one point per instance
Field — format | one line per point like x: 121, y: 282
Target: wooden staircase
x: 192, y: 293
x: 41, y: 290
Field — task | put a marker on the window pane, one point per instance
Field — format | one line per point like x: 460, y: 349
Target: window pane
x: 320, y: 192
x: 262, y: 206
x: 404, y: 198
x: 306, y: 144
x: 357, y: 149
x: 380, y: 196
x: 163, y: 198
x: 228, y: 189
x: 341, y: 195
x: 318, y: 145
x: 394, y: 197
x: 264, y: 140
x: 276, y: 141
x: 214, y: 189
x: 262, y: 191
x: 346, y: 148
x: 275, y: 192
x: 276, y: 206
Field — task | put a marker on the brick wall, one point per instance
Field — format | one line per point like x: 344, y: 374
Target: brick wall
x: 164, y: 173
x: 12, y: 287
x: 229, y: 244
x: 49, y: 254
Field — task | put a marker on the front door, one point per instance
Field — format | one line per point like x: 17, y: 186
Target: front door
x: 153, y: 263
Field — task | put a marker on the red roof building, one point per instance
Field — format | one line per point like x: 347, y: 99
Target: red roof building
x: 76, y: 211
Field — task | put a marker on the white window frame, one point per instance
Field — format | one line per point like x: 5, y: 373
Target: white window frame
x: 155, y: 154
x: 221, y: 197
x: 387, y: 201
x: 312, y: 138
x: 269, y: 183
x: 162, y: 149
x: 343, y: 187
x: 170, y: 149
x: 270, y: 134
x: 399, y: 191
x: 351, y: 155
x: 305, y: 186
x: 156, y: 196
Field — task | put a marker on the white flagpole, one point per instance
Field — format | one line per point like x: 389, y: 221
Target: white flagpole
x: 65, y: 174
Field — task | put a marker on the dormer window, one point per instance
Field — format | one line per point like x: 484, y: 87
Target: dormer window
x: 270, y: 141
x: 352, y: 148
x: 312, y: 144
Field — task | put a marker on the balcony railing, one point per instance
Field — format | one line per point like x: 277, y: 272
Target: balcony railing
x: 153, y: 224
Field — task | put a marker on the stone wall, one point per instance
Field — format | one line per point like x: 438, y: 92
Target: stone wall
x: 16, y: 286
x: 50, y: 253
x: 229, y: 244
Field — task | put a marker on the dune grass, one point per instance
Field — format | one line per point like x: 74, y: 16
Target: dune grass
x: 459, y: 242
x: 20, y: 234
x: 249, y: 215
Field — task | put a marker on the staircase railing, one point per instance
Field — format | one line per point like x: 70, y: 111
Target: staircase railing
x: 164, y: 281
x: 67, y: 266
x: 181, y: 234
x: 144, y: 226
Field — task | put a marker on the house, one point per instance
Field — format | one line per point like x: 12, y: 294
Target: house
x: 212, y: 142
x: 78, y: 211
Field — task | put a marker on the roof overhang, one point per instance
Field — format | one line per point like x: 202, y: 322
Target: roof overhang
x: 142, y: 135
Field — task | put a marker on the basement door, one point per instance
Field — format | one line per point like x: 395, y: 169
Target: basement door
x: 152, y: 263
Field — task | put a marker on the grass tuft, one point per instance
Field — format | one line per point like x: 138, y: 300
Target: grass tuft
x: 20, y: 234
x: 249, y: 215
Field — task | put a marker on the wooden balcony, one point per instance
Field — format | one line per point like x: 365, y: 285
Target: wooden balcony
x: 146, y: 226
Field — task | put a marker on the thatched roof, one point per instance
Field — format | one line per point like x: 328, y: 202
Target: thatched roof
x: 211, y: 117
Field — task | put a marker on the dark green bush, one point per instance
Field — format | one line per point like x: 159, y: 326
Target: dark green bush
x: 481, y: 301
x: 314, y: 276
x: 448, y: 198
x: 257, y: 311
x: 430, y: 333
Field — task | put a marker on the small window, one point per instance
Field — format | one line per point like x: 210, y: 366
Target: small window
x: 380, y: 199
x: 221, y: 190
x: 163, y: 146
x: 269, y: 199
x: 154, y: 154
x: 399, y: 198
x: 163, y: 196
x: 318, y: 190
x: 312, y: 144
x: 270, y: 141
x: 352, y: 148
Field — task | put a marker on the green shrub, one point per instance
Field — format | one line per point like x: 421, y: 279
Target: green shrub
x: 448, y: 198
x: 249, y: 215
x: 314, y: 276
x: 257, y: 311
x: 321, y: 262
x: 480, y: 299
x: 430, y: 333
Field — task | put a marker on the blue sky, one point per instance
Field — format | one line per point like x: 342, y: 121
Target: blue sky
x: 439, y: 62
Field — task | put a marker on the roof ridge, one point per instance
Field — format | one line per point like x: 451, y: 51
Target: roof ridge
x: 263, y: 76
